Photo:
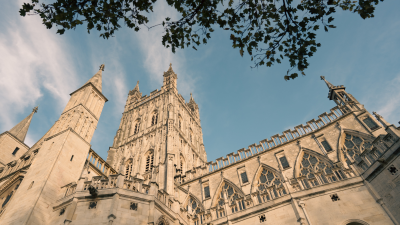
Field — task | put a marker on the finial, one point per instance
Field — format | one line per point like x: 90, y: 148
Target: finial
x: 34, y: 110
x: 326, y: 82
x: 102, y: 67
x: 170, y: 65
x: 376, y: 115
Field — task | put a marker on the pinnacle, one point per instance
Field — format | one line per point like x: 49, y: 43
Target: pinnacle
x: 96, y: 80
x: 21, y: 129
x: 137, y: 86
x: 327, y: 82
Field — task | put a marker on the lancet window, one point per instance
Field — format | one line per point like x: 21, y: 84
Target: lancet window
x: 154, y: 119
x: 128, y: 169
x: 232, y: 197
x: 314, y: 171
x: 137, y: 127
x: 270, y: 186
x: 353, y: 148
x: 181, y: 163
x: 194, y: 208
x: 149, y: 161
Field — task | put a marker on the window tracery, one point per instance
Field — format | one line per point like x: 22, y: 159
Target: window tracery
x: 232, y: 197
x: 154, y: 119
x: 128, y: 169
x: 149, y: 161
x: 315, y: 171
x: 196, y: 211
x: 269, y: 186
x: 355, y: 146
x: 137, y: 127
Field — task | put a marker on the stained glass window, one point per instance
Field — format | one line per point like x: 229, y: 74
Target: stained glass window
x: 354, y: 146
x: 316, y: 171
x: 269, y: 186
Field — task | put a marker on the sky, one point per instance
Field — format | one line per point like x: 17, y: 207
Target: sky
x: 239, y: 106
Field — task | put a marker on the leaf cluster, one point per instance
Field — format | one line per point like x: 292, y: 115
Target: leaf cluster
x: 268, y: 30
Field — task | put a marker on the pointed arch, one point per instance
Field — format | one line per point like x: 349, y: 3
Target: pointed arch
x: 267, y: 184
x: 258, y: 174
x: 128, y: 168
x: 182, y: 163
x: 154, y: 117
x: 194, y: 206
x: 353, y: 144
x: 227, y: 193
x: 149, y: 160
x: 194, y: 198
x: 296, y: 171
x: 313, y: 169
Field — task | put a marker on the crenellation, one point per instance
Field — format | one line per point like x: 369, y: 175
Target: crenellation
x: 339, y: 168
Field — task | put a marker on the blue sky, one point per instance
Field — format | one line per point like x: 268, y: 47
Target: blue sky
x: 238, y: 105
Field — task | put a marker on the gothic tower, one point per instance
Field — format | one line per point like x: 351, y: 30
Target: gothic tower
x: 12, y: 143
x: 347, y: 103
x: 159, y: 136
x: 61, y: 157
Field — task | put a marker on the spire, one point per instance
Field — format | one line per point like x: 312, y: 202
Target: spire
x: 21, y: 129
x: 96, y: 79
x: 327, y: 82
x: 191, y: 98
x: 137, y: 86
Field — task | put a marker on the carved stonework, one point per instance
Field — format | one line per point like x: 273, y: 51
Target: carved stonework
x: 162, y: 220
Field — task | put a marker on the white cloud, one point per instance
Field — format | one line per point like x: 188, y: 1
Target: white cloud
x: 32, y: 60
x: 389, y: 101
x: 157, y: 57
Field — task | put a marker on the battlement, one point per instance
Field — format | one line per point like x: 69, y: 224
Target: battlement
x: 268, y: 144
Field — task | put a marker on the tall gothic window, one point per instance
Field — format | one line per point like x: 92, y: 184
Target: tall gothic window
x: 354, y: 146
x: 7, y: 199
x: 195, y: 208
x: 182, y: 163
x: 128, y: 169
x: 137, y: 127
x: 154, y: 119
x: 149, y: 161
x: 270, y: 186
x: 232, y: 197
x: 314, y: 171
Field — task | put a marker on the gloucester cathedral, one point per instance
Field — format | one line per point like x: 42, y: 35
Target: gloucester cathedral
x: 341, y: 168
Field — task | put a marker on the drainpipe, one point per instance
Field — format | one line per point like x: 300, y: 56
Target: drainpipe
x: 302, y: 205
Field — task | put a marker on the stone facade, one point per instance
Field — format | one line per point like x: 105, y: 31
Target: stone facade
x: 341, y: 168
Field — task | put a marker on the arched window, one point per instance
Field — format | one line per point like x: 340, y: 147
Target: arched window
x: 354, y: 146
x: 314, y: 171
x: 149, y: 161
x: 7, y: 199
x: 128, y: 169
x: 154, y: 119
x: 182, y: 163
x: 137, y: 127
x: 270, y: 186
x: 196, y: 211
x: 232, y: 197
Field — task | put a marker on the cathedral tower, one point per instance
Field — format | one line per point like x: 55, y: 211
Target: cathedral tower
x: 12, y: 143
x: 159, y: 136
x: 343, y: 99
x: 60, y: 159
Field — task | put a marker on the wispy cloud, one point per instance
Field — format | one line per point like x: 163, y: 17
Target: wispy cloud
x: 32, y: 60
x: 391, y: 107
x: 157, y: 57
